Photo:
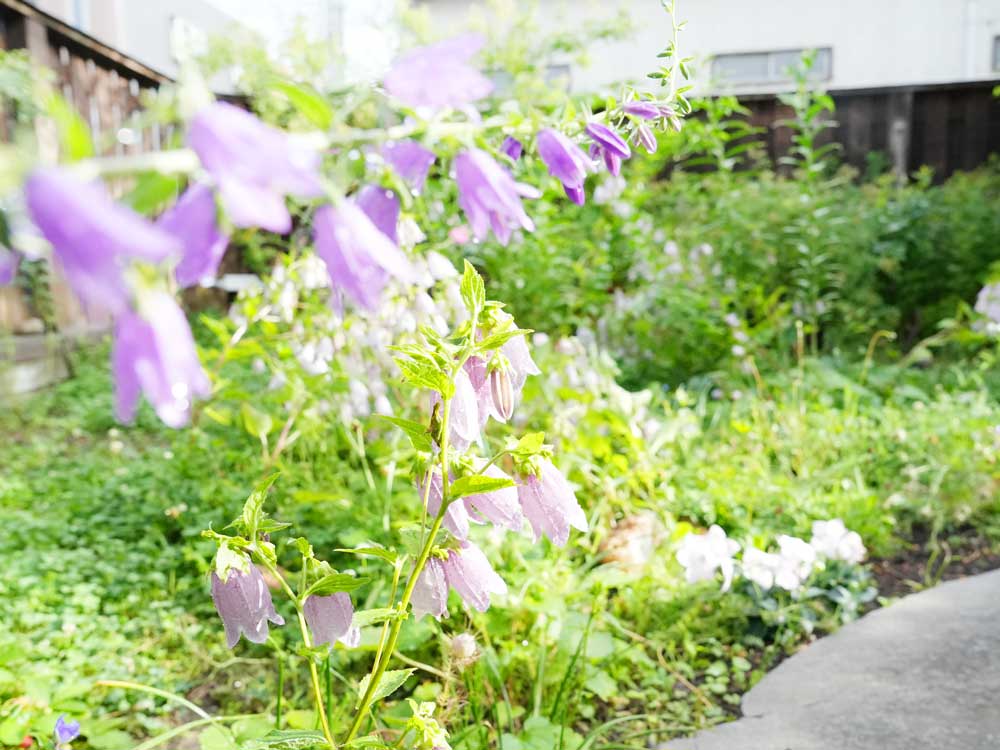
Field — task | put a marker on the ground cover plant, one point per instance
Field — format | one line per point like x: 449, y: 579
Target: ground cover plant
x: 242, y: 559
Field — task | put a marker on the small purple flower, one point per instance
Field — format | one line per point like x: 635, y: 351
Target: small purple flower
x: 329, y: 619
x: 549, y: 503
x: 566, y: 162
x: 243, y: 601
x: 359, y: 257
x: 382, y: 207
x: 469, y: 572
x: 609, y: 146
x: 410, y: 160
x: 498, y: 391
x: 439, y: 75
x: 456, y: 518
x: 646, y: 138
x: 511, y: 147
x: 521, y: 364
x: 430, y: 593
x: 66, y: 731
x: 500, y: 507
x: 9, y: 261
x: 642, y: 109
x: 154, y: 353
x: 254, y: 166
x: 192, y: 220
x: 92, y: 236
x: 490, y: 197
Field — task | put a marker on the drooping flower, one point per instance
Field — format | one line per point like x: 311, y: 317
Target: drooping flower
x: 703, y: 554
x: 646, y: 138
x: 9, y: 261
x: 382, y: 207
x: 456, y: 518
x: 192, y: 220
x: 642, y: 109
x: 760, y: 567
x: 439, y: 75
x: 329, y: 619
x: 430, y: 593
x: 608, y: 145
x: 566, y: 162
x: 410, y: 160
x: 521, y: 364
x: 92, y: 236
x: 243, y: 601
x: 254, y: 166
x: 833, y: 540
x: 549, y: 503
x: 154, y: 353
x: 500, y: 507
x: 469, y: 572
x: 359, y: 258
x: 511, y: 147
x: 490, y: 197
x: 65, y: 731
x: 797, y: 562
x: 464, y: 421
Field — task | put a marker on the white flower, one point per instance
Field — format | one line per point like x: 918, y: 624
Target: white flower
x: 797, y: 562
x: 833, y: 540
x: 760, y: 567
x: 702, y: 554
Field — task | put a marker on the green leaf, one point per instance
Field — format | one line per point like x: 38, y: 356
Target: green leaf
x: 227, y: 559
x: 529, y: 444
x: 426, y: 376
x: 391, y: 682
x: 255, y: 421
x: 477, y: 484
x: 287, y: 739
x: 253, y: 508
x: 308, y: 102
x: 334, y: 583
x: 419, y: 437
x: 473, y: 289
x: 216, y: 738
x: 367, y: 617
x: 496, y: 340
x: 152, y: 191
x: 74, y: 135
x: 385, y: 554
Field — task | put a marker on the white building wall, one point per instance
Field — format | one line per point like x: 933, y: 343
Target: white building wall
x: 874, y: 43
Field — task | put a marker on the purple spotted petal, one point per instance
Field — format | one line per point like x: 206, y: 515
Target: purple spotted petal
x: 410, y: 160
x: 566, y: 161
x: 92, y: 236
x: 550, y: 504
x: 154, y: 354
x: 439, y: 75
x: 430, y: 593
x: 469, y: 572
x: 192, y: 220
x: 490, y: 197
x: 243, y: 601
x: 329, y: 619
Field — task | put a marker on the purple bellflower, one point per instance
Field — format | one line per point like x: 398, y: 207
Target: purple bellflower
x: 456, y: 518
x: 549, y: 503
x: 254, y: 166
x: 642, y: 109
x: 646, y: 138
x: 608, y: 145
x: 243, y: 601
x: 469, y: 572
x: 93, y: 237
x: 9, y: 261
x: 490, y: 197
x: 65, y: 731
x: 511, y: 147
x: 192, y: 220
x: 382, y: 207
x: 430, y: 593
x: 439, y: 75
x: 359, y: 257
x: 566, y: 162
x: 410, y: 160
x: 329, y: 620
x: 154, y: 353
x: 500, y: 507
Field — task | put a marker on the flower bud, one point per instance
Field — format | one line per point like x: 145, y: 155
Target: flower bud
x: 463, y: 649
x: 502, y: 394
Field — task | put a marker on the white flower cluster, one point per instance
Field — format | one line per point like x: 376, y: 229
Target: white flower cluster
x: 701, y: 555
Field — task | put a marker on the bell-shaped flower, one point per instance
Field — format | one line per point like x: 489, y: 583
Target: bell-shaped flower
x: 490, y: 197
x: 760, y: 567
x: 192, y: 220
x: 834, y: 541
x: 608, y: 145
x: 566, y: 162
x: 500, y: 507
x: 65, y: 731
x: 9, y: 261
x: 549, y: 503
x: 409, y: 160
x: 456, y: 518
x: 329, y: 620
x: 243, y: 601
x: 430, y: 593
x: 439, y: 75
x: 521, y: 364
x: 359, y: 257
x: 642, y: 109
x: 93, y: 237
x: 511, y: 148
x: 464, y: 419
x: 469, y: 572
x: 701, y: 555
x: 254, y: 166
x: 798, y: 559
x: 154, y: 353
x: 382, y: 207
x: 646, y: 138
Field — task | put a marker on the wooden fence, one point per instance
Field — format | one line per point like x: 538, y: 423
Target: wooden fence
x: 106, y: 88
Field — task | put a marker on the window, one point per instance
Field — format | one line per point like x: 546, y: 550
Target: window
x: 770, y: 67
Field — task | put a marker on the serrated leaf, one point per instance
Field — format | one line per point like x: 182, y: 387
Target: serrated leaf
x: 529, y: 444
x: 391, y: 682
x: 426, y: 376
x: 288, y: 739
x: 417, y: 433
x: 367, y: 617
x: 472, y: 288
x: 253, y: 508
x: 334, y: 583
x: 496, y: 340
x: 308, y: 102
x: 477, y: 484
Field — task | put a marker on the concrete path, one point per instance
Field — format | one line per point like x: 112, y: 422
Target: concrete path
x: 921, y: 673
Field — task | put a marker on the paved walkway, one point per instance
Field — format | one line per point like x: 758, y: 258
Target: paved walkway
x: 921, y: 673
